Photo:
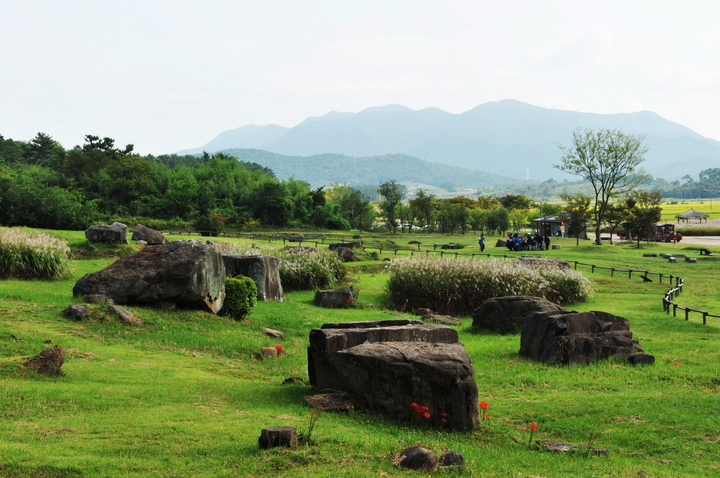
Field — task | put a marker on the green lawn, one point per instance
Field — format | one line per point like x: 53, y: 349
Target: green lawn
x: 185, y: 394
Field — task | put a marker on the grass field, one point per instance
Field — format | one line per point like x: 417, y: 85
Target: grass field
x: 185, y: 394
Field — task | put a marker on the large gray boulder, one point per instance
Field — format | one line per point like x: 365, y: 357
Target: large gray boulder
x: 326, y: 342
x: 507, y: 314
x: 263, y: 270
x: 150, y: 236
x: 186, y: 273
x: 570, y: 338
x: 389, y: 376
x: 115, y: 232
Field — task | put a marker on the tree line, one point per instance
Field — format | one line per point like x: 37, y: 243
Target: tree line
x: 44, y: 185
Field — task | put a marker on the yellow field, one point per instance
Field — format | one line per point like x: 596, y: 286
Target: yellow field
x: 708, y: 206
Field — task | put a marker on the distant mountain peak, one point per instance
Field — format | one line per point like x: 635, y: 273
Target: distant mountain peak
x: 506, y: 137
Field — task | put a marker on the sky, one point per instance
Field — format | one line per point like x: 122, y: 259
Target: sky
x: 166, y: 75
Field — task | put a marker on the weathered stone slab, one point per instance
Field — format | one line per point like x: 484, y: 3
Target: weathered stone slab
x: 576, y: 338
x: 325, y: 343
x: 372, y: 324
x: 186, y: 273
x: 263, y: 270
x: 389, y: 376
x: 507, y: 314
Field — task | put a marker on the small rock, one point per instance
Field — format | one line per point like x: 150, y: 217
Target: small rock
x: 48, y: 361
x: 123, y: 315
x: 273, y: 437
x: 274, y: 333
x: 641, y: 359
x: 560, y: 447
x: 452, y: 458
x: 292, y: 380
x: 76, y: 312
x: 418, y: 458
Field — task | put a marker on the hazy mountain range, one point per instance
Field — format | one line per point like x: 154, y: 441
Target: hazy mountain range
x: 506, y: 138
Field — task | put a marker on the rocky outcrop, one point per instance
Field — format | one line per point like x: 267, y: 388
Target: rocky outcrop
x: 570, y: 338
x: 507, y: 314
x: 263, y: 270
x: 186, y: 273
x: 150, y: 236
x: 115, y: 232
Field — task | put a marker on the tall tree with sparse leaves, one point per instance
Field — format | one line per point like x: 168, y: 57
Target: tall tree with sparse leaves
x: 609, y: 160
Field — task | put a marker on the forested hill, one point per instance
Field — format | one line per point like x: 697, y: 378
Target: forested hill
x: 323, y: 169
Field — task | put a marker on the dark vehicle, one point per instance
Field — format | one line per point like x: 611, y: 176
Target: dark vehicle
x: 662, y: 233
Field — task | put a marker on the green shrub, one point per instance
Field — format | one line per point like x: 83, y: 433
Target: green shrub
x: 310, y: 269
x: 32, y: 256
x: 240, y: 297
x: 456, y: 286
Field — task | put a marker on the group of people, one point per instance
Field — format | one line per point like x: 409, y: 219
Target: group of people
x: 516, y: 242
x: 527, y: 242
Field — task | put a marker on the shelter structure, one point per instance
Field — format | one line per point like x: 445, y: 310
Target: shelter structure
x: 554, y: 226
x: 692, y: 214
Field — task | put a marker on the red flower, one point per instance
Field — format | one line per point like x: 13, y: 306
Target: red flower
x: 533, y: 427
x: 279, y: 347
x: 488, y: 416
x: 484, y: 405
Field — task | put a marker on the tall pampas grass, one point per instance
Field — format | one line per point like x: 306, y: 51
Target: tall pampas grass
x: 29, y: 255
x: 455, y: 286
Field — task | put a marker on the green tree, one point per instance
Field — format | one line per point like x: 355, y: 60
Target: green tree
x: 577, y: 207
x: 422, y: 206
x: 45, y: 151
x: 515, y: 201
x: 615, y: 216
x: 609, y: 160
x: 274, y: 208
x: 355, y: 208
x: 498, y: 219
x: 643, y: 212
x: 11, y: 151
x: 392, y: 194
x: 478, y: 219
